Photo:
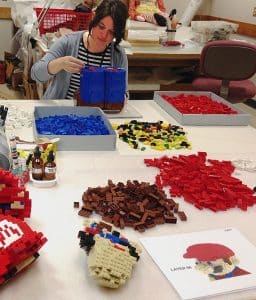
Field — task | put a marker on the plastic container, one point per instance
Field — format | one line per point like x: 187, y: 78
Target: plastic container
x: 78, y: 142
x: 241, y: 118
x: 43, y: 183
x: 58, y: 18
x: 4, y: 151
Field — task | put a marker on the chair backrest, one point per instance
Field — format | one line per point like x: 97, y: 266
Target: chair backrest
x: 228, y: 60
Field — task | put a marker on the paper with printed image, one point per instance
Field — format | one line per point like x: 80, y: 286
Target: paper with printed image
x: 206, y: 263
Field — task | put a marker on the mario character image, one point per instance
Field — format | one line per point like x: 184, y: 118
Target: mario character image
x: 215, y: 260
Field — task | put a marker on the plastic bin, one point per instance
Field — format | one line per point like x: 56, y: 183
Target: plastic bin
x: 58, y: 18
x: 78, y: 142
x: 241, y: 118
x: 4, y: 151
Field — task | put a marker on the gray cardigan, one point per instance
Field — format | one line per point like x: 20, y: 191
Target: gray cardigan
x: 68, y: 46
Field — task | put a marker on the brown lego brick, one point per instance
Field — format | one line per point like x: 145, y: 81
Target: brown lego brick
x: 182, y: 216
x: 76, y: 204
x: 134, y: 204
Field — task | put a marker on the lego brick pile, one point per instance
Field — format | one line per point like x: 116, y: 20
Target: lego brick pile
x: 14, y: 200
x: 198, y: 104
x: 134, y: 204
x: 205, y: 183
x: 111, y: 256
x: 155, y: 135
x: 71, y: 125
x: 19, y: 246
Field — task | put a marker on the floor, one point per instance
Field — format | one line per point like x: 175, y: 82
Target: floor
x: 7, y: 93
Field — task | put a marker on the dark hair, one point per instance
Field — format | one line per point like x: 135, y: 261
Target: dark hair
x: 119, y: 13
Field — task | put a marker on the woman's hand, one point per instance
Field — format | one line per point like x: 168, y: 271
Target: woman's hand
x: 69, y: 64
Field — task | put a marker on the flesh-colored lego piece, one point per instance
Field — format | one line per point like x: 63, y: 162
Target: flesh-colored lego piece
x: 111, y: 257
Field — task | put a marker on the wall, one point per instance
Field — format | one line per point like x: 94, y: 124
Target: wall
x: 6, y: 26
x: 204, y: 9
x: 238, y: 10
x: 6, y: 36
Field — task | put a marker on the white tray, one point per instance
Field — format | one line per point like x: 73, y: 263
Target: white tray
x: 43, y: 183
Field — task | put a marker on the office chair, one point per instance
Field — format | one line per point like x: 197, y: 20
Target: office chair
x: 226, y: 67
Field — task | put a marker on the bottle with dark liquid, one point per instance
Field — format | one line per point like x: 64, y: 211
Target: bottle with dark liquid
x: 50, y: 167
x: 37, y: 165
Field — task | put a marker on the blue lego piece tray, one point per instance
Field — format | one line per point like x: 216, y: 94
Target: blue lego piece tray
x: 99, y: 142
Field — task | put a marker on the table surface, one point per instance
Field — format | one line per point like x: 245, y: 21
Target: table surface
x: 61, y: 273
x: 183, y: 35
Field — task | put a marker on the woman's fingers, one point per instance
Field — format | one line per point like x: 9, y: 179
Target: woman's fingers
x: 72, y: 64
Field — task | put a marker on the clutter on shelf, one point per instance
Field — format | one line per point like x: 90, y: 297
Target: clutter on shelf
x: 206, y: 31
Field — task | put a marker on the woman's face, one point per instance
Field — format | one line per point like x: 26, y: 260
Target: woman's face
x: 103, y: 33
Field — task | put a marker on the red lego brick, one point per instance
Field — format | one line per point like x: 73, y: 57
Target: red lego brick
x: 19, y: 246
x: 14, y: 200
x: 203, y: 183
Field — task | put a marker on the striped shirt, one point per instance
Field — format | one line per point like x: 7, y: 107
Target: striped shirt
x: 102, y: 59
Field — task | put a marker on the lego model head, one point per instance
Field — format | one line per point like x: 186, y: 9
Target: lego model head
x: 14, y: 200
x: 19, y: 246
x: 215, y: 260
x: 110, y: 256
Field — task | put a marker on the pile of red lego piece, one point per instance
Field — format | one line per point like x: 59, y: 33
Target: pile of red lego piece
x: 19, y: 246
x: 205, y: 183
x: 198, y: 104
x: 14, y: 200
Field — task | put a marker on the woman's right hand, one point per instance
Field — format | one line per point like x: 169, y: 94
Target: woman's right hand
x: 71, y: 64
x: 67, y: 63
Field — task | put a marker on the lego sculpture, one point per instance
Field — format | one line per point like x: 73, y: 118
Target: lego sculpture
x: 111, y: 256
x: 103, y: 87
x: 19, y: 246
x: 14, y: 200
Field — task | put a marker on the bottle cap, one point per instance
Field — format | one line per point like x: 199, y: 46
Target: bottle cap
x: 50, y: 157
x: 37, y: 152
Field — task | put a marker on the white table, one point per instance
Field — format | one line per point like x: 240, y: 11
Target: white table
x: 60, y: 273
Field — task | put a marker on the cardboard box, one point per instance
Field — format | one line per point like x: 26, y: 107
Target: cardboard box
x: 77, y: 142
x: 241, y: 118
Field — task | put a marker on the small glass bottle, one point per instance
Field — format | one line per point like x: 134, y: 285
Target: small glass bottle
x: 14, y: 154
x: 37, y: 165
x: 50, y: 167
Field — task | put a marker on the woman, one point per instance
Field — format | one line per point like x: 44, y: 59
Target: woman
x: 99, y: 47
